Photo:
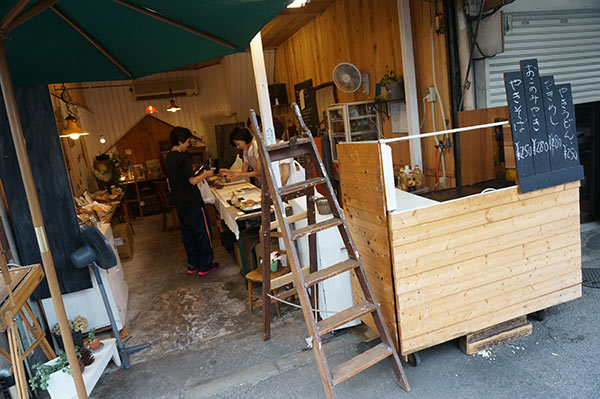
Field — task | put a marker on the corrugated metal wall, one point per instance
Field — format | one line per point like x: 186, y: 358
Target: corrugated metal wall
x: 225, y: 93
x: 566, y: 44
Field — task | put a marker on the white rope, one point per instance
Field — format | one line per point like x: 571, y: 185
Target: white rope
x: 456, y: 130
x: 298, y: 306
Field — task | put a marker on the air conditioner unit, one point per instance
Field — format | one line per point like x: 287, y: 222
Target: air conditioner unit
x: 163, y: 88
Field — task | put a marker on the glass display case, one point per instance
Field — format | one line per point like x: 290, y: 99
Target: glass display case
x: 357, y: 121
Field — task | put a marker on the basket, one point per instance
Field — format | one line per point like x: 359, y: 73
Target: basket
x: 323, y: 206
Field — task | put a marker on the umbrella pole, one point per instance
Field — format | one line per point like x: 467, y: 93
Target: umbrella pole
x: 10, y: 103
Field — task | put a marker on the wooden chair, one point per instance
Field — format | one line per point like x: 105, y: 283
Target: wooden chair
x: 161, y: 187
x: 255, y: 276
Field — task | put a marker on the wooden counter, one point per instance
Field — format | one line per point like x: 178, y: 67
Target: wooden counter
x: 444, y: 270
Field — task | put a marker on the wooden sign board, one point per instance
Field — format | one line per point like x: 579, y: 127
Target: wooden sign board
x: 542, y: 119
x: 305, y: 98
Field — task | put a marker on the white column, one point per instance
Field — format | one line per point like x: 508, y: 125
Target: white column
x: 262, y: 88
x: 410, y: 81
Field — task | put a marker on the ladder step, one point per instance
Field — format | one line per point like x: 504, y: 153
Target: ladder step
x: 285, y: 144
x: 361, y: 362
x: 329, y: 272
x: 301, y: 186
x: 314, y: 228
x: 339, y: 319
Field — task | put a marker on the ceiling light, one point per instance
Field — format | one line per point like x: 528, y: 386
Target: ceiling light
x: 173, y: 107
x: 102, y: 140
x: 73, y: 131
x: 298, y: 3
x: 150, y: 109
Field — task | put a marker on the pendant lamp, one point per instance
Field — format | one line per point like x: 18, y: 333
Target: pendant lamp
x: 150, y: 109
x: 73, y: 130
x: 173, y: 107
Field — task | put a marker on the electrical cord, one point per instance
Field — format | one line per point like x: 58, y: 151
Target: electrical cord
x: 467, y: 84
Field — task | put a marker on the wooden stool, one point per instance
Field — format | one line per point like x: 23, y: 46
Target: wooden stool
x: 255, y: 276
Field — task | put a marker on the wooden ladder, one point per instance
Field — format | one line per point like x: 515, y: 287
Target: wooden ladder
x: 309, y: 277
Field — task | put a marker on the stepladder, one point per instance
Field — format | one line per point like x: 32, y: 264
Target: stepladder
x: 305, y: 279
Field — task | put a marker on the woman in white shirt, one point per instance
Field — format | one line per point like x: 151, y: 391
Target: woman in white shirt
x: 241, y: 138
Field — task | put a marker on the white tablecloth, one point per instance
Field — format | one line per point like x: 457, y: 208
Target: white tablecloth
x: 229, y: 213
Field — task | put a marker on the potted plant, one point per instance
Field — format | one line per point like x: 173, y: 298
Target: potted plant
x: 93, y: 340
x: 43, y: 371
x: 78, y: 325
x: 394, y: 85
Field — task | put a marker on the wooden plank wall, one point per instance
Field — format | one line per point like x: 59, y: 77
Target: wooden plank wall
x: 366, y: 33
x: 467, y: 264
x: 477, y: 147
x: 363, y: 200
x: 143, y: 139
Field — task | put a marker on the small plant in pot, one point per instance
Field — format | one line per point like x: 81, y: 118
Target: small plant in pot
x: 43, y: 372
x: 93, y: 340
x: 394, y: 85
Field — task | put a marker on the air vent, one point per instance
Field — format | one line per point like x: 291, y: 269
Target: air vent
x: 163, y: 88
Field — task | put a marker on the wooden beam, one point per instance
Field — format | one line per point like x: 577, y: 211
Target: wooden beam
x: 31, y: 12
x: 12, y: 14
x: 169, y: 21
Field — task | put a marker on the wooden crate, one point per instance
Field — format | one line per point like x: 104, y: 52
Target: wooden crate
x: 457, y: 267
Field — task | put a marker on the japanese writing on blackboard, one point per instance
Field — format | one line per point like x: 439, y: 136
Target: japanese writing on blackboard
x: 543, y: 128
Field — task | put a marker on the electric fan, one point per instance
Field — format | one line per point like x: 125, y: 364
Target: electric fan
x: 348, y: 78
x: 97, y: 252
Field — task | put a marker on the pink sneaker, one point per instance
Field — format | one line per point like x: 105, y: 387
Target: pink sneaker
x: 201, y: 273
x: 191, y: 271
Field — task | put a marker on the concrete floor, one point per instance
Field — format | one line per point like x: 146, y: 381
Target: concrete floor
x: 206, y: 344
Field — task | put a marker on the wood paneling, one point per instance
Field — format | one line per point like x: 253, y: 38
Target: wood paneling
x: 366, y: 33
x: 467, y: 264
x: 477, y: 147
x: 143, y: 140
x: 360, y: 178
x: 226, y: 92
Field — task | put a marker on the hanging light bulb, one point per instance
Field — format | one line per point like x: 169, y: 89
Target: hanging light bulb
x: 150, y: 109
x: 173, y: 107
x: 102, y: 140
x: 73, y: 131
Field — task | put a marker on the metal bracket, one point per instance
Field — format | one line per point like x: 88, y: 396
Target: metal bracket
x: 293, y: 143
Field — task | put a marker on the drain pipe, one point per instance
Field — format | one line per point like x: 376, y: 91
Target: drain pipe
x: 464, y: 56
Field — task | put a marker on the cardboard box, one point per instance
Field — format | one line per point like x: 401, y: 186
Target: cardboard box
x: 123, y: 235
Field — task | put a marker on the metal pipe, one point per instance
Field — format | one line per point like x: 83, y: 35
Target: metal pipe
x: 169, y: 21
x: 9, y: 234
x: 10, y: 102
x: 464, y: 56
x: 92, y: 41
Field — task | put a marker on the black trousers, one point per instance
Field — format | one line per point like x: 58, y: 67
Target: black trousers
x: 196, y: 236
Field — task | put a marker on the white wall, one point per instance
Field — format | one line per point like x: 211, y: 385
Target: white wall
x: 225, y: 93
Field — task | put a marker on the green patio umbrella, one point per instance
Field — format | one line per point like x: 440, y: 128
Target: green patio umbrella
x: 52, y: 41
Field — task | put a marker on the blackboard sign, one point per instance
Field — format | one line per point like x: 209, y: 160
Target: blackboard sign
x: 305, y: 98
x: 542, y: 120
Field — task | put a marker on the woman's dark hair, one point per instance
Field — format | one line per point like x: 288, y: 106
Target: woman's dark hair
x: 179, y: 135
x: 279, y: 128
x: 240, y: 133
x: 249, y: 122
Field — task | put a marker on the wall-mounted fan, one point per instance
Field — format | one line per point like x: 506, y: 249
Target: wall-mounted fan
x: 97, y: 252
x: 348, y: 78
